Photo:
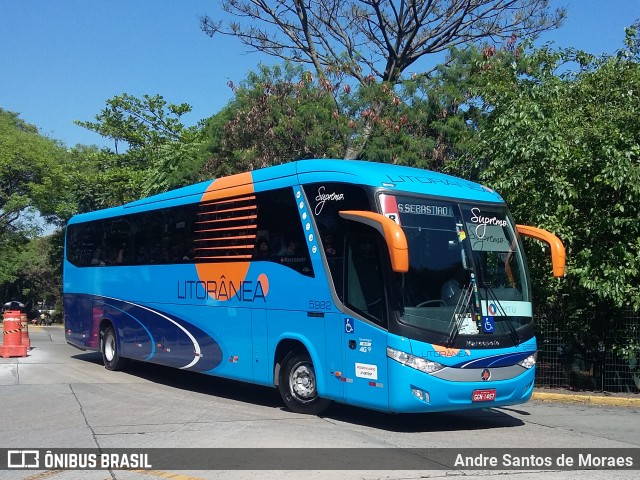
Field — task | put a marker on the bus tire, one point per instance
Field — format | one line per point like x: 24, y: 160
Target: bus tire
x: 109, y: 348
x: 297, y: 385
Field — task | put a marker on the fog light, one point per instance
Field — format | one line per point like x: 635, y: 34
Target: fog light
x: 420, y: 394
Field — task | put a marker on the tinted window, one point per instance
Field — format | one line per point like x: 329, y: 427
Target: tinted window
x: 117, y: 241
x: 280, y: 237
x: 265, y: 226
x: 326, y: 201
x: 364, y: 280
x: 147, y: 238
x: 178, y: 234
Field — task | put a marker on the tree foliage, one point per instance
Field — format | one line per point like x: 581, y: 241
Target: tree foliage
x: 278, y: 115
x: 103, y: 179
x: 32, y: 168
x: 160, y: 151
x: 31, y: 268
x: 34, y: 177
x: 559, y: 139
x: 139, y: 123
x: 375, y: 41
x: 382, y: 38
x: 284, y: 113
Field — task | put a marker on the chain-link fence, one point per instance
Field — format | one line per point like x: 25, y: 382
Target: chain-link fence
x: 605, y: 358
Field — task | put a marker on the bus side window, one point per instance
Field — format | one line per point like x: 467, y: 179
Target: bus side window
x: 117, y: 237
x: 147, y: 237
x: 364, y: 280
x: 74, y: 244
x: 178, y: 236
x: 90, y: 242
x: 281, y: 238
x: 326, y: 201
x: 82, y: 241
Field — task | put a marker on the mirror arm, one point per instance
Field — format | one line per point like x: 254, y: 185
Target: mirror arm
x: 392, y: 232
x: 558, y: 255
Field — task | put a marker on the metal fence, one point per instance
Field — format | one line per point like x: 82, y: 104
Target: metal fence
x: 605, y: 358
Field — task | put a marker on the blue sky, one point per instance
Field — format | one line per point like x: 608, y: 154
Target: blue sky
x: 61, y: 60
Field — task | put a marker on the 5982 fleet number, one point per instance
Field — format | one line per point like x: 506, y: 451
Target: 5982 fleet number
x: 319, y: 305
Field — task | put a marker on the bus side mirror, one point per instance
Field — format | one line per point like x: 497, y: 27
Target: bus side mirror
x: 394, y: 236
x: 558, y: 255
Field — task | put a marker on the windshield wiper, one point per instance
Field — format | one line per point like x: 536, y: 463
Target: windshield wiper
x: 489, y: 293
x: 460, y: 313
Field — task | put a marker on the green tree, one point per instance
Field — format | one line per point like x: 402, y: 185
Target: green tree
x: 11, y: 246
x: 279, y: 114
x: 284, y: 113
x: 40, y: 269
x: 139, y: 123
x: 375, y: 42
x: 159, y: 151
x: 32, y: 170
x: 34, y: 177
x: 103, y: 179
x: 564, y: 150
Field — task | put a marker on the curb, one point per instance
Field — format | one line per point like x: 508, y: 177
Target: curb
x: 587, y: 399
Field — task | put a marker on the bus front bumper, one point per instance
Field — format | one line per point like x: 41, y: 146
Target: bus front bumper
x: 413, y: 391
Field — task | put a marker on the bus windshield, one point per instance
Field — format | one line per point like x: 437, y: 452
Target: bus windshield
x: 466, y: 269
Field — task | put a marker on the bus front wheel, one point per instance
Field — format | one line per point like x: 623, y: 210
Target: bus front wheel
x: 109, y: 348
x: 298, y: 387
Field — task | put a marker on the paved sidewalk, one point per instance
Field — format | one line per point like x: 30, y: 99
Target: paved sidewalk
x: 591, y: 398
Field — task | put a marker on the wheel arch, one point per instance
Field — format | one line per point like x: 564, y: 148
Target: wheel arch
x: 290, y: 343
x: 106, y: 322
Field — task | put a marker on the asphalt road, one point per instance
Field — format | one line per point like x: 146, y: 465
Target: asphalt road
x: 60, y: 397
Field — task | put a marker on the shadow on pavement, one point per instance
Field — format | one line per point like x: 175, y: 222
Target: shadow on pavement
x: 195, y: 382
x: 424, y: 422
x: 269, y: 397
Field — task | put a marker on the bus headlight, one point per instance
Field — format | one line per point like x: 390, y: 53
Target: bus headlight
x: 530, y: 361
x: 419, y: 363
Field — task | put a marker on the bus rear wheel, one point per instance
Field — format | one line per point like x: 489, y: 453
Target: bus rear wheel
x: 298, y: 387
x: 109, y: 348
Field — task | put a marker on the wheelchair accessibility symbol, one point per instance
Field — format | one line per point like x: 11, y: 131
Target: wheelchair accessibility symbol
x: 348, y: 325
x: 487, y: 325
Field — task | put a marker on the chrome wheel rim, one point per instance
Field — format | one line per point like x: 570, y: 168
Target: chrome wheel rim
x: 302, y: 381
x: 109, y: 348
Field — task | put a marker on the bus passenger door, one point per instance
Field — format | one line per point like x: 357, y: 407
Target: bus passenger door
x: 365, y: 342
x: 365, y: 366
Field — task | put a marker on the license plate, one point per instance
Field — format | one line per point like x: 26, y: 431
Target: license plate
x: 484, y: 395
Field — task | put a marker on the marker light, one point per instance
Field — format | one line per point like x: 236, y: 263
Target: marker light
x: 530, y: 361
x: 419, y: 363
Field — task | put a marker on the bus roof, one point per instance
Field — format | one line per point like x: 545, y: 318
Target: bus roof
x: 395, y: 178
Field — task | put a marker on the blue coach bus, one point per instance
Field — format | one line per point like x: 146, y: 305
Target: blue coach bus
x: 381, y: 286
